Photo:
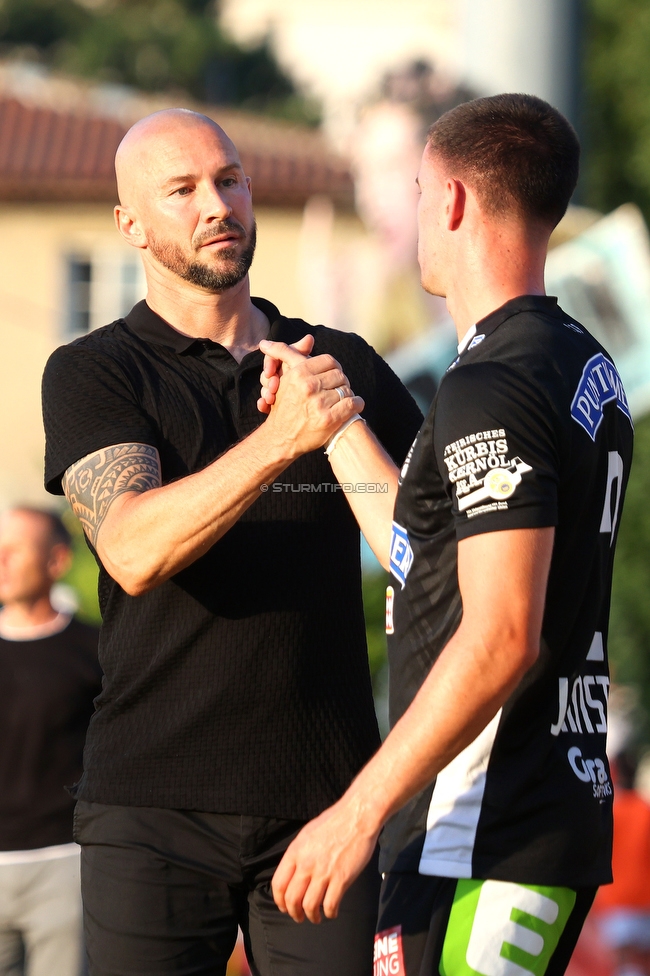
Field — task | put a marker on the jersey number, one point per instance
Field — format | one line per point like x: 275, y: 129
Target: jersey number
x: 611, y: 511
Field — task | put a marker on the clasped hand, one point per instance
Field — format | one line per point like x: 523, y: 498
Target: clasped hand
x: 301, y: 393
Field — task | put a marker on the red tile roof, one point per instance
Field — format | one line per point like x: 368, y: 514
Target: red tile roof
x: 50, y: 155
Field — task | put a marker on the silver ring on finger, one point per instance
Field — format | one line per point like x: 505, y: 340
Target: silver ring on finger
x: 341, y: 392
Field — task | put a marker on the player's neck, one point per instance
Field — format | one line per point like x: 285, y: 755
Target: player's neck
x: 28, y: 613
x: 229, y: 318
x: 502, y: 268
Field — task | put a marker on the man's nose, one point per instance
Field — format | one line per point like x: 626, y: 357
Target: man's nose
x: 214, y: 205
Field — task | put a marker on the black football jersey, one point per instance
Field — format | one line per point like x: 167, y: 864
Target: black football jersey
x: 530, y: 428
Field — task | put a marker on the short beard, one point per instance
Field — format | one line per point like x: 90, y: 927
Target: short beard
x: 214, y: 280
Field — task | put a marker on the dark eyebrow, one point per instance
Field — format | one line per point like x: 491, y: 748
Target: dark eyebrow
x: 189, y: 177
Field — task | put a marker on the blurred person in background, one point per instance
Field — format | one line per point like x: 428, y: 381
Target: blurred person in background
x: 623, y: 908
x: 49, y: 676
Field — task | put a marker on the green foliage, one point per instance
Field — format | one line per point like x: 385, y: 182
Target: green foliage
x: 82, y: 576
x: 155, y: 45
x: 374, y: 605
x: 629, y: 635
x: 617, y: 104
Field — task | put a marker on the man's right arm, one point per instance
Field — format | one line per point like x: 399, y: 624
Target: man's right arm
x: 144, y: 531
x: 502, y: 577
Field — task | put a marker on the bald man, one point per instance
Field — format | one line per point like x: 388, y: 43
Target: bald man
x: 237, y: 701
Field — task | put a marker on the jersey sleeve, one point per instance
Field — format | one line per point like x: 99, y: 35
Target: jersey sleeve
x: 88, y: 404
x: 397, y: 417
x: 497, y: 448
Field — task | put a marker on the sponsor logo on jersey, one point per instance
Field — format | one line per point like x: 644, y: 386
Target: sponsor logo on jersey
x: 499, y: 484
x: 582, y: 705
x: 599, y: 384
x: 388, y: 958
x: 582, y: 709
x: 500, y: 928
x: 401, y: 554
x: 390, y: 600
x: 591, y: 771
x: 479, y: 467
x: 476, y: 341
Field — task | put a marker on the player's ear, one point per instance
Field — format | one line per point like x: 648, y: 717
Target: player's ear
x: 60, y: 561
x: 456, y: 200
x: 129, y: 226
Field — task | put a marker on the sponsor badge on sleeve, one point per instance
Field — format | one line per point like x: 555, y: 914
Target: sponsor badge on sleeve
x: 482, y: 472
x: 401, y: 554
x: 599, y: 384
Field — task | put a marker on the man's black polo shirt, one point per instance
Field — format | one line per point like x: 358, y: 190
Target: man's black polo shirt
x: 240, y: 685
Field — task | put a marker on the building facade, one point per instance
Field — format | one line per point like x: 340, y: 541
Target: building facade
x: 65, y: 270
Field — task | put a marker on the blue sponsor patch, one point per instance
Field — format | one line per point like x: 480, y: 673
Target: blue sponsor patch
x: 401, y: 554
x: 599, y: 384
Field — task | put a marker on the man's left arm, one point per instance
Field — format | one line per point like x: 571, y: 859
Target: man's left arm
x: 360, y: 457
x: 496, y: 643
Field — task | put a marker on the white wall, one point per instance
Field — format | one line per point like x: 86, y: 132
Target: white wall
x: 521, y: 46
x: 339, y: 49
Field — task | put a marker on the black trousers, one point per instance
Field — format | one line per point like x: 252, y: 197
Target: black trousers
x: 429, y: 926
x: 165, y: 890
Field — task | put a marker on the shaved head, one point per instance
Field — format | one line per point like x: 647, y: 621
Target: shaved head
x: 185, y: 200
x: 152, y: 135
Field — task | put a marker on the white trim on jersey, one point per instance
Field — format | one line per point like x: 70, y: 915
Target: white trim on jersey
x: 54, y: 853
x: 467, y: 338
x: 455, y: 808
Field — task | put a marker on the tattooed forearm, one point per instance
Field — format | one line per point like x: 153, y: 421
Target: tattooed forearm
x: 92, y: 484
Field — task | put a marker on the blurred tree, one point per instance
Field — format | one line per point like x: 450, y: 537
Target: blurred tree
x: 616, y: 170
x: 83, y: 573
x: 629, y: 633
x: 155, y: 45
x: 617, y: 104
x: 374, y: 607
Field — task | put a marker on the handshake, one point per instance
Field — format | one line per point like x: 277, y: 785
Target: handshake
x: 308, y: 400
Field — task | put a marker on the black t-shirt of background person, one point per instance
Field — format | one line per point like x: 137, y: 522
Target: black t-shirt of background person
x: 47, y: 686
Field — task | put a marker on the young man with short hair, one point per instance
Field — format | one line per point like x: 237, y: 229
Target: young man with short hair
x: 493, y: 784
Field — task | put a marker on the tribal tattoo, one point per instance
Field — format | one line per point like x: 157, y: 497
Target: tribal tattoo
x: 93, y: 483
